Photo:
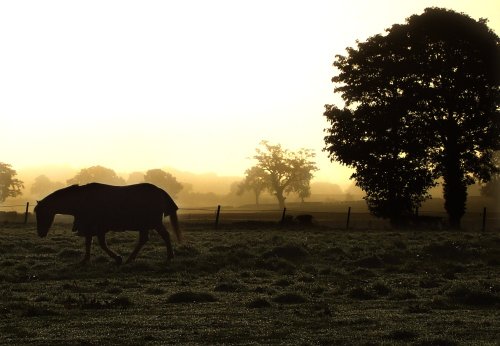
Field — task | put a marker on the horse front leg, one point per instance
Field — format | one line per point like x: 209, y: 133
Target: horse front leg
x: 162, y: 231
x: 143, y: 238
x: 88, y: 246
x: 102, y: 242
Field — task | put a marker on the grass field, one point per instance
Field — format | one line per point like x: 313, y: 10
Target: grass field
x: 252, y: 283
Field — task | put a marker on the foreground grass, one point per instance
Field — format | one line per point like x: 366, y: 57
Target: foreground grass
x: 251, y: 284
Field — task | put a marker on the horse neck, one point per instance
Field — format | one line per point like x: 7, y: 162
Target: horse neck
x: 63, y: 204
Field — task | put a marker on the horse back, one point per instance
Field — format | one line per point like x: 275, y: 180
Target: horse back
x: 125, y: 202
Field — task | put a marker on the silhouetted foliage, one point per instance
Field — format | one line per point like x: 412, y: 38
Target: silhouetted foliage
x: 135, y: 178
x: 255, y: 180
x: 422, y: 102
x: 163, y: 180
x: 282, y: 171
x: 96, y: 174
x: 42, y: 186
x: 492, y: 188
x: 9, y: 185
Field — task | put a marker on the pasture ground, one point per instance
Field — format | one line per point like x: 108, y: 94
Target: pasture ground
x: 252, y: 283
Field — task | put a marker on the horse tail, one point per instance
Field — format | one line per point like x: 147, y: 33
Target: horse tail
x: 175, y: 225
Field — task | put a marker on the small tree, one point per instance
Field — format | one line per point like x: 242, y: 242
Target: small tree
x: 255, y: 181
x: 9, y: 185
x: 97, y: 174
x: 163, y: 180
x: 284, y: 171
x: 42, y: 186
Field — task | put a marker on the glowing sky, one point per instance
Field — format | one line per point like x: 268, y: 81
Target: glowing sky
x: 195, y: 85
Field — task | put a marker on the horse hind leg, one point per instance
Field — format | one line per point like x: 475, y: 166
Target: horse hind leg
x: 143, y: 238
x: 102, y: 242
x: 162, y: 231
x: 88, y: 246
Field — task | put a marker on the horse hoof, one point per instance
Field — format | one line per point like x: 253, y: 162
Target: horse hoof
x: 118, y: 260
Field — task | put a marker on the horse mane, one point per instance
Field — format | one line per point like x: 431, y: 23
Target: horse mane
x: 62, y: 192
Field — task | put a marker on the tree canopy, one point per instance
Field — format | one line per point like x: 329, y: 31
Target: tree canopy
x: 97, y: 174
x: 421, y: 103
x: 281, y: 171
x: 163, y: 180
x: 9, y: 185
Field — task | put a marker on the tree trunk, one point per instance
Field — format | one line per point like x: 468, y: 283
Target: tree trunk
x: 455, y: 197
x: 454, y: 186
x: 280, y: 197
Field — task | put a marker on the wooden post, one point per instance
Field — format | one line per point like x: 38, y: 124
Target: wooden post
x: 26, y: 213
x: 283, y: 215
x: 484, y: 219
x: 217, y: 217
x: 348, y: 218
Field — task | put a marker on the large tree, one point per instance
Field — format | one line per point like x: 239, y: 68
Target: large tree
x: 432, y: 84
x: 164, y: 180
x: 9, y: 185
x: 97, y: 174
x: 284, y: 171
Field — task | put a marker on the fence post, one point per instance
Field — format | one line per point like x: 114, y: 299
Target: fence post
x: 217, y: 217
x: 348, y: 218
x: 283, y: 215
x: 484, y: 219
x: 26, y: 213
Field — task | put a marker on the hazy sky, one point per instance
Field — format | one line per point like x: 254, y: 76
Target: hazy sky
x: 195, y: 85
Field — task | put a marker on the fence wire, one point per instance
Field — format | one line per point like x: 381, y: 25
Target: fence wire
x: 473, y: 220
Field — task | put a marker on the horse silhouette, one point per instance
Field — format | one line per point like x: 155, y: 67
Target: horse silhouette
x: 99, y: 208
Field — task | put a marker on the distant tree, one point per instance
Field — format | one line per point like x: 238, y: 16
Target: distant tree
x: 163, y: 180
x: 43, y: 186
x: 96, y: 174
x: 432, y: 86
x: 135, y: 178
x: 255, y: 181
x: 9, y: 185
x: 284, y: 171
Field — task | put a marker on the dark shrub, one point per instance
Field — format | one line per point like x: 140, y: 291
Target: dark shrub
x: 155, y: 290
x: 369, y: 262
x: 191, y: 297
x: 360, y: 293
x: 464, y: 295
x: 305, y: 219
x: 380, y: 288
x: 279, y: 265
x: 259, y: 303
x: 69, y: 253
x: 228, y: 287
x: 429, y: 282
x: 289, y: 298
x: 288, y: 251
x: 402, y: 335
x: 403, y: 294
x: 451, y: 250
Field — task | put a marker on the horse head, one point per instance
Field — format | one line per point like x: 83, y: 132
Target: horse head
x: 44, y: 218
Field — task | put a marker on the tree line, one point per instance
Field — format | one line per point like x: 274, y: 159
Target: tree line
x: 421, y: 104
